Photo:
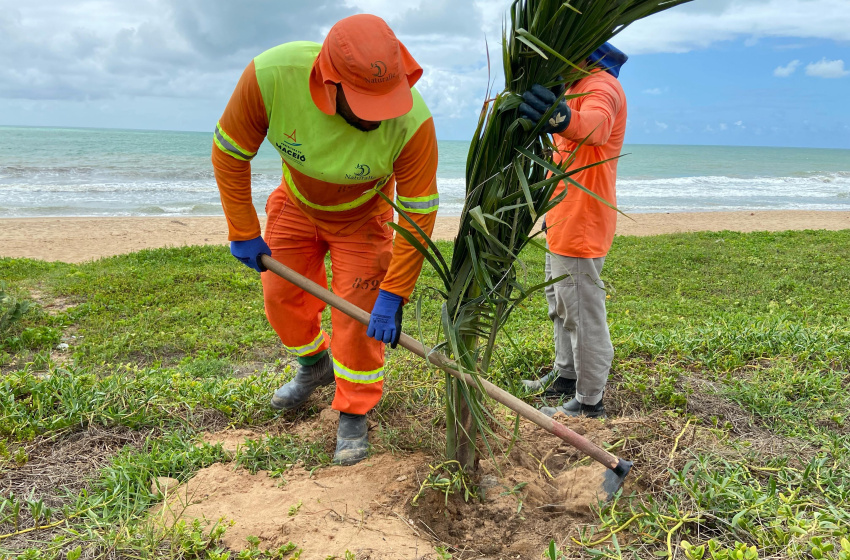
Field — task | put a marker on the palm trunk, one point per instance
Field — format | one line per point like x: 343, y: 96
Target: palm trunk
x: 461, y: 428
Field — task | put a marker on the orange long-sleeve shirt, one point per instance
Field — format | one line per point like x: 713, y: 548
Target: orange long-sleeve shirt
x: 413, y: 173
x: 581, y: 226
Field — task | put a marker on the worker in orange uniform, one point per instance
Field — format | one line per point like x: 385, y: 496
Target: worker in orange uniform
x: 347, y: 123
x: 580, y: 230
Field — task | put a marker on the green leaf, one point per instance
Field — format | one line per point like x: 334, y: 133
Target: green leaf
x: 567, y: 4
x: 478, y: 216
x: 523, y: 181
x: 444, y: 275
x: 527, y: 37
x: 533, y: 47
x: 431, y: 245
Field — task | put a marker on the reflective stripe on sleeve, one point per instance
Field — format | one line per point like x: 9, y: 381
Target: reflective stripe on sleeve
x: 229, y: 146
x: 420, y: 204
x: 307, y: 348
x: 358, y: 376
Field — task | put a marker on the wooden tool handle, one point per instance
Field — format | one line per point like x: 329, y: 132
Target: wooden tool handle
x: 522, y: 408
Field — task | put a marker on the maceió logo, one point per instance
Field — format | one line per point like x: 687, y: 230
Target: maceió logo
x: 286, y: 149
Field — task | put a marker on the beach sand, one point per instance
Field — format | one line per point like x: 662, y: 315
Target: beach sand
x: 76, y: 240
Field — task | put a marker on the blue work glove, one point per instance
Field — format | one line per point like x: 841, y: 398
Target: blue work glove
x: 537, y: 101
x: 249, y: 252
x: 385, y: 323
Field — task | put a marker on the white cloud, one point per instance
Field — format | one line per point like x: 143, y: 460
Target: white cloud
x: 381, y: 7
x: 161, y: 48
x: 787, y: 70
x: 450, y: 95
x: 699, y: 24
x: 661, y: 125
x: 111, y: 51
x: 827, y: 69
x: 724, y: 126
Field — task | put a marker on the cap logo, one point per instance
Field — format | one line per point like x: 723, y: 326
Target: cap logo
x: 380, y: 69
x: 380, y: 75
x: 362, y: 169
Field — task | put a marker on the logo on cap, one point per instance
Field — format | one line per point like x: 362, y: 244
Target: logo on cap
x: 363, y: 169
x: 380, y: 69
x: 380, y: 75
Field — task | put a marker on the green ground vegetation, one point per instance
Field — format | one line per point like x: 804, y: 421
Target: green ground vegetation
x: 740, y: 340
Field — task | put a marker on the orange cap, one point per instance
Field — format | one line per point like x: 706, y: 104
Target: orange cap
x: 376, y: 71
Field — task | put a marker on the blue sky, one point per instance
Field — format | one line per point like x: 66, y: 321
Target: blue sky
x: 733, y: 72
x: 729, y: 94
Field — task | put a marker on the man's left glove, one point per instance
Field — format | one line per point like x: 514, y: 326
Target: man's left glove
x: 385, y: 324
x: 537, y: 101
x: 248, y: 252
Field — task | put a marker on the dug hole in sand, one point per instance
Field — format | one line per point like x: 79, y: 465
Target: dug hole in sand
x: 534, y: 494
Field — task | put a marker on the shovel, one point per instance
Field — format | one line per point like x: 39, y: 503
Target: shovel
x: 617, y: 469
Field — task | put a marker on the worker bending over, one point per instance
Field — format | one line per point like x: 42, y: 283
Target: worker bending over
x: 347, y: 123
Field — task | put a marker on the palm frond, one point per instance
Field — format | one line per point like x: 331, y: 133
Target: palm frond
x: 511, y: 182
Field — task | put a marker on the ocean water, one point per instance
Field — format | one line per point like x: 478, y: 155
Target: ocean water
x: 91, y: 172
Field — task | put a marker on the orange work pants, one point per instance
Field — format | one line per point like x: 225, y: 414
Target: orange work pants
x: 359, y: 262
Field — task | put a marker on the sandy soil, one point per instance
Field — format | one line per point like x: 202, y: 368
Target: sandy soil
x: 372, y: 510
x: 358, y: 509
x: 83, y: 239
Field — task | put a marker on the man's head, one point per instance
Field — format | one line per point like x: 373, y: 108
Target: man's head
x: 363, y: 71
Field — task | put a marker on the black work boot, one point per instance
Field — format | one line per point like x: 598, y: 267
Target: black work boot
x: 307, y: 379
x: 556, y: 387
x: 562, y: 388
x: 575, y: 408
x: 352, y: 439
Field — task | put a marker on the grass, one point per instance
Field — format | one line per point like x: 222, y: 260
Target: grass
x: 732, y: 349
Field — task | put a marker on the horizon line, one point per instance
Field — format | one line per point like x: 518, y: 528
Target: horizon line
x: 154, y: 130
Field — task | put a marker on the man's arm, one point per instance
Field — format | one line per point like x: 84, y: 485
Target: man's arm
x: 595, y: 119
x: 416, y: 187
x: 237, y: 137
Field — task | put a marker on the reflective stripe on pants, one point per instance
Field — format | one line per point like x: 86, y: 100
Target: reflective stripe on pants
x: 319, y: 343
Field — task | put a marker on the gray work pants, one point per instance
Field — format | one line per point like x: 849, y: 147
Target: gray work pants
x: 583, y: 349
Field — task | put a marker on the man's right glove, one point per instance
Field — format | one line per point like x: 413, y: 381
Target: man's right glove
x: 385, y: 322
x: 537, y: 101
x: 248, y: 252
